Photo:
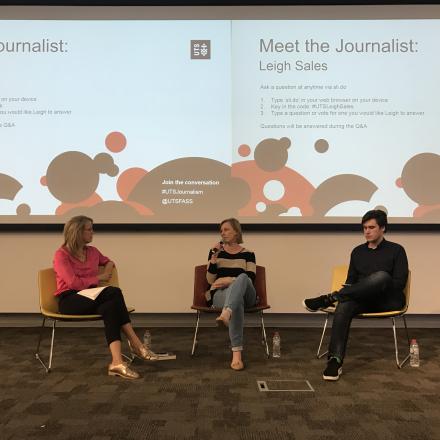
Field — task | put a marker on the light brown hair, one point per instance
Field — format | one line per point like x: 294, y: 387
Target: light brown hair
x: 235, y: 224
x: 73, y: 231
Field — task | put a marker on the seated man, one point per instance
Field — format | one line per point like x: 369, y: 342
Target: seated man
x: 376, y: 279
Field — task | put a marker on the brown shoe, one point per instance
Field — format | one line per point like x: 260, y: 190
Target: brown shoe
x: 143, y: 353
x: 237, y: 365
x: 122, y: 370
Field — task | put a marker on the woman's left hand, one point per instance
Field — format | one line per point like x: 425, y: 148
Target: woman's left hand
x: 221, y: 283
x: 104, y: 276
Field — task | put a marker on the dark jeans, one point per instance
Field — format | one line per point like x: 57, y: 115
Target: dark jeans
x: 109, y: 303
x: 371, y: 294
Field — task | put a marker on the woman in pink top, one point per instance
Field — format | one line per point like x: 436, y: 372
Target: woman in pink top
x: 76, y: 267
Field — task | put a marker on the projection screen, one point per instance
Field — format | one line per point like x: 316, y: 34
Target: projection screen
x: 280, y: 115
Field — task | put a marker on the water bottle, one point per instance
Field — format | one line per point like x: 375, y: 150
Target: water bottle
x: 276, y: 345
x: 147, y: 338
x: 414, y: 359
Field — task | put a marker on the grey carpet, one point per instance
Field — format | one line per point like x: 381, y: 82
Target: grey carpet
x: 202, y: 398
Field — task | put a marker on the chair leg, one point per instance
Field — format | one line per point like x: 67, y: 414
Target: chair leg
x: 318, y: 354
x: 195, y: 333
x: 51, y: 344
x: 263, y: 335
x: 129, y: 359
x: 37, y: 353
x: 400, y: 364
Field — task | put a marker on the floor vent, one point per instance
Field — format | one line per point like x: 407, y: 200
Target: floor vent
x: 280, y: 385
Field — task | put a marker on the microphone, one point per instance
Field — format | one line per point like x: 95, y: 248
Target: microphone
x: 215, y: 250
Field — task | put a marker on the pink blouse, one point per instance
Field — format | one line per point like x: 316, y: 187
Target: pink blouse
x: 73, y: 274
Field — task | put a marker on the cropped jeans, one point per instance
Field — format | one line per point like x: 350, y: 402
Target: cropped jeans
x: 237, y: 296
x: 371, y: 294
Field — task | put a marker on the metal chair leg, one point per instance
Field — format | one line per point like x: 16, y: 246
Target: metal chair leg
x: 37, y: 353
x: 195, y: 333
x: 129, y: 359
x: 406, y: 330
x: 51, y: 344
x: 318, y: 354
x: 400, y: 364
x: 263, y: 335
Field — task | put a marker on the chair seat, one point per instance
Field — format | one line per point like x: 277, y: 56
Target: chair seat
x: 389, y: 314
x: 61, y: 317
x: 218, y: 309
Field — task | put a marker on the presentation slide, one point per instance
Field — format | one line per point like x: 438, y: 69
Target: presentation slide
x: 332, y: 118
x: 192, y: 121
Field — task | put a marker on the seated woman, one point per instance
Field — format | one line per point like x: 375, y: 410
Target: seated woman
x: 231, y: 274
x: 76, y: 268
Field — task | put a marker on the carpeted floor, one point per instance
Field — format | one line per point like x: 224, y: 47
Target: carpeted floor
x: 202, y: 398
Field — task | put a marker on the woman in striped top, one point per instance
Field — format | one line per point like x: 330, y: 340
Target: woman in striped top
x: 231, y: 274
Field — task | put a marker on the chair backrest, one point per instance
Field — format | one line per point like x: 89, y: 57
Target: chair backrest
x: 201, y: 285
x: 407, y: 291
x: 260, y: 286
x: 114, y: 279
x: 47, y: 286
x: 340, y: 276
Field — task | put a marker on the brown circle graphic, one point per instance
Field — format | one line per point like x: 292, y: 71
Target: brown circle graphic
x: 421, y: 178
x: 321, y: 146
x: 72, y: 177
x: 23, y: 209
x: 205, y: 201
x: 105, y: 164
x: 271, y: 154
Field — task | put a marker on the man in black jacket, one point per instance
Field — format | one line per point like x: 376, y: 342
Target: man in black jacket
x: 376, y: 279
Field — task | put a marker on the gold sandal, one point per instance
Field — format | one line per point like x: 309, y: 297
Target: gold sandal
x: 143, y: 353
x: 122, y: 370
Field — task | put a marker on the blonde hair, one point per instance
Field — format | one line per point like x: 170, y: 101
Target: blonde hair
x: 235, y: 224
x: 73, y: 230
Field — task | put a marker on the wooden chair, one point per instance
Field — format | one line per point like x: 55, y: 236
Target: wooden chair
x: 199, y: 302
x: 49, y: 309
x: 338, y: 279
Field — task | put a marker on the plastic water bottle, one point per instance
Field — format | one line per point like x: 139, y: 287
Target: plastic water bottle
x: 147, y: 338
x: 276, y: 345
x: 414, y: 359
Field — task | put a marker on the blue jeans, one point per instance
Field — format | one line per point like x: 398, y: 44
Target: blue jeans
x: 371, y: 294
x: 237, y: 296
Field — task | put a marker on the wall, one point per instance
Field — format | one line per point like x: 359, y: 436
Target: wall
x: 156, y: 269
